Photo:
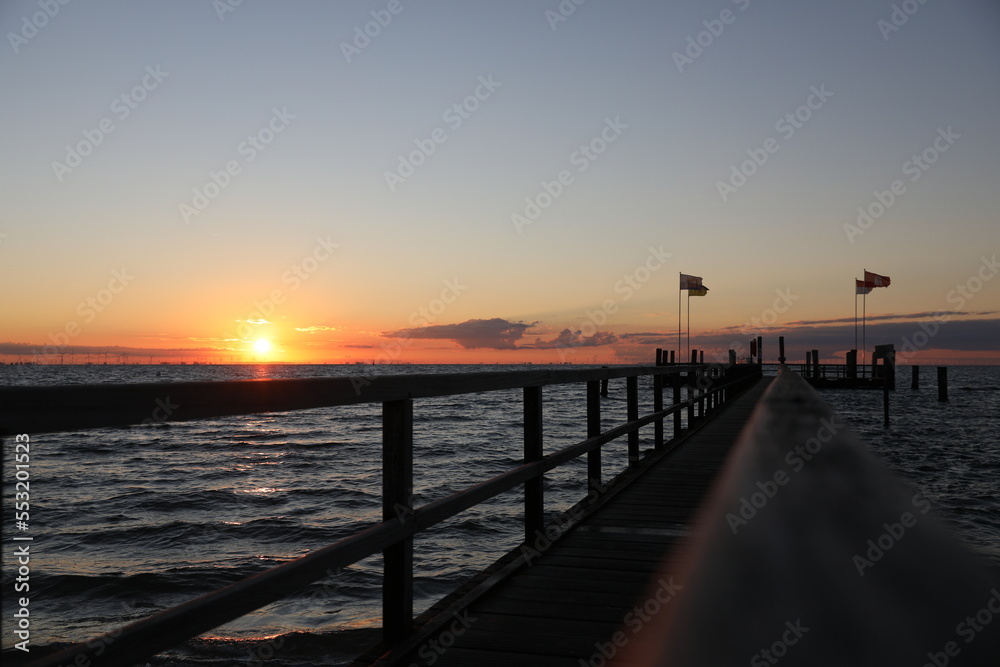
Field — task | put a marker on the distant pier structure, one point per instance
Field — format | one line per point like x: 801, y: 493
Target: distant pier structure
x: 880, y: 374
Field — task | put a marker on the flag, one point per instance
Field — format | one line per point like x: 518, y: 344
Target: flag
x: 698, y: 292
x: 861, y: 287
x: 875, y: 280
x: 691, y: 282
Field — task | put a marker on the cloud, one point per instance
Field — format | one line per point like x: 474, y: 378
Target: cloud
x: 908, y: 316
x: 567, y: 338
x: 496, y: 333
x: 662, y: 339
x: 500, y: 334
x: 315, y: 328
x: 958, y: 335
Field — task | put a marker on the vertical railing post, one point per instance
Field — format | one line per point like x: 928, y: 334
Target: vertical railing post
x: 632, y: 414
x: 700, y: 384
x: 690, y: 395
x: 594, y: 429
x: 676, y: 384
x: 534, y: 499
x: 397, y: 504
x: 942, y: 377
x: 657, y: 406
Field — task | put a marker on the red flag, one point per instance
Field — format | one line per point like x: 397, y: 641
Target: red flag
x: 875, y: 280
x: 861, y: 287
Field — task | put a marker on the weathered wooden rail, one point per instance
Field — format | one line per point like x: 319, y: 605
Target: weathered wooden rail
x: 34, y: 410
x: 807, y: 530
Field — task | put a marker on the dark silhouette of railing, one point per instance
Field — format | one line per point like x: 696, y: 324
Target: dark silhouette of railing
x: 34, y: 410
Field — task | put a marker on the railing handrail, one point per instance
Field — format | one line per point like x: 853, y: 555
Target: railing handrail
x: 54, y: 408
x: 176, y: 624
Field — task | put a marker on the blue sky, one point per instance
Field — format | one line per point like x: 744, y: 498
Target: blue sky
x: 555, y: 86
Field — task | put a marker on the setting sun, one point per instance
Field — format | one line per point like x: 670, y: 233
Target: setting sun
x: 262, y: 345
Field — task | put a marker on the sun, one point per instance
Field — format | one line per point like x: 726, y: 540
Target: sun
x: 262, y: 345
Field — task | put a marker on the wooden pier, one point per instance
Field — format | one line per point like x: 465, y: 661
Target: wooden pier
x: 560, y: 601
x: 670, y: 563
x: 695, y: 391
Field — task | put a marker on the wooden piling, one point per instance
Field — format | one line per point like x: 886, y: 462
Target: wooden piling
x: 915, y: 377
x: 815, y: 356
x: 942, y: 373
x: 760, y: 349
x: 694, y: 356
x: 672, y: 357
x: 781, y: 350
x: 659, y: 356
x: 885, y: 404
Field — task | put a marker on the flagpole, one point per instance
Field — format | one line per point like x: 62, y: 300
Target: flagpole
x: 855, y: 316
x: 679, y: 274
x: 864, y: 311
x: 689, y: 325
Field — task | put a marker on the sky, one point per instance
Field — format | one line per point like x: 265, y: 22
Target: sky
x: 466, y: 181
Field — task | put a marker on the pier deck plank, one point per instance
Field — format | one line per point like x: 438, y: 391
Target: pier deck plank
x: 576, y: 595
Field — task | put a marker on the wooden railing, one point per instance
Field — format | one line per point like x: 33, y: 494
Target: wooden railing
x: 34, y: 410
x: 808, y: 529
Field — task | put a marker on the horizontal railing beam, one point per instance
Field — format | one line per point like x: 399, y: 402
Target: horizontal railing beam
x: 47, y: 409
